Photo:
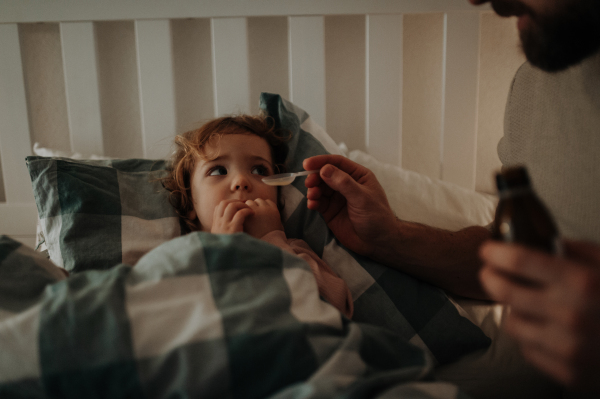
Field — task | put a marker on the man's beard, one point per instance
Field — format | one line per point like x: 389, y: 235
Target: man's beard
x: 555, y: 42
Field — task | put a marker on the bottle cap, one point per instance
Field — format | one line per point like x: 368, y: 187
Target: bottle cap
x: 512, y: 177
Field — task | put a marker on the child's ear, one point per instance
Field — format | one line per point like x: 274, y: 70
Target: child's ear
x: 192, y: 215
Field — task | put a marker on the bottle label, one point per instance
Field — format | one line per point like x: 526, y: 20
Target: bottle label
x: 506, y: 230
x: 514, y: 192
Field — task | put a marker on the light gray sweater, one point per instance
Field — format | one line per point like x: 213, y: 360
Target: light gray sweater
x: 552, y: 126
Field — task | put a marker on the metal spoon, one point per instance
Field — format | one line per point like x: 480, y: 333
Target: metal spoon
x: 283, y: 179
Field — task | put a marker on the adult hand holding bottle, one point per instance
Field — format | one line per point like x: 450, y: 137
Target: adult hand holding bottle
x: 555, y: 306
x: 555, y: 301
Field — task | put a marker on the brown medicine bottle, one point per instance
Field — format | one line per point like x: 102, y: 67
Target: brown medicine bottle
x: 521, y: 217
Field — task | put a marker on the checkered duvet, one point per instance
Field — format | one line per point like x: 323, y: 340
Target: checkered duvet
x: 200, y: 316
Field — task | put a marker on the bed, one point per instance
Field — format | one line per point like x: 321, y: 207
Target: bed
x: 414, y: 90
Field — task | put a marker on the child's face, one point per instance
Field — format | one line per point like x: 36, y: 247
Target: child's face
x: 243, y: 160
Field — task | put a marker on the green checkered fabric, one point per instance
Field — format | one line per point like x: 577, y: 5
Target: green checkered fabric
x: 419, y: 312
x: 24, y: 275
x: 97, y: 214
x: 215, y: 316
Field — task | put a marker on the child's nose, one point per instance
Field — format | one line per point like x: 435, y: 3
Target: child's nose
x: 241, y: 182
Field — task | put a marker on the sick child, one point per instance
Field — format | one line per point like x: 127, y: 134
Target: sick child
x: 215, y: 184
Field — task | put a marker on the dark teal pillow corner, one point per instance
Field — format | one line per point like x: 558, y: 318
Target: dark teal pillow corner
x: 95, y: 214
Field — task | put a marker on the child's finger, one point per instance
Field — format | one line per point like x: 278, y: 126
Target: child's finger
x: 240, y: 217
x: 232, y: 208
x: 260, y: 202
x: 271, y: 203
x: 252, y: 204
x: 220, y: 209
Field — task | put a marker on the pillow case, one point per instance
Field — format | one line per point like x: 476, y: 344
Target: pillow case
x: 90, y: 210
x: 50, y: 152
x: 417, y: 198
x: 385, y: 297
x: 95, y: 214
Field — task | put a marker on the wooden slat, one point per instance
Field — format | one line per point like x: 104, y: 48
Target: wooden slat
x: 269, y: 58
x: 42, y: 61
x: 19, y: 222
x: 384, y: 87
x: 81, y: 86
x: 423, y: 44
x: 14, y: 126
x: 99, y: 10
x: 119, y: 89
x: 157, y: 96
x: 18, y: 219
x: 230, y: 66
x: 192, y: 69
x: 307, y: 65
x: 460, y: 99
x: 345, y: 79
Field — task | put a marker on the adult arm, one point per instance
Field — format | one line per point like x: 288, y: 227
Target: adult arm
x: 355, y: 207
x: 555, y: 307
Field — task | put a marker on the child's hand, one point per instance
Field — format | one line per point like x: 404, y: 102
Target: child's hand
x: 229, y: 217
x: 265, y: 219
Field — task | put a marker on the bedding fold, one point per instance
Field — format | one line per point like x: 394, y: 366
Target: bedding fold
x: 204, y: 316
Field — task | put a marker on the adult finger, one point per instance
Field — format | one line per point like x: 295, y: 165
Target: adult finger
x: 548, y: 363
x: 551, y: 334
x: 313, y: 180
x: 350, y: 167
x: 521, y: 262
x: 340, y: 181
x: 522, y: 295
x: 319, y: 205
x: 314, y: 193
x: 582, y: 251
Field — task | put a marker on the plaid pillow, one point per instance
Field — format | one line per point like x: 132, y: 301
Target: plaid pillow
x: 385, y: 297
x: 96, y: 214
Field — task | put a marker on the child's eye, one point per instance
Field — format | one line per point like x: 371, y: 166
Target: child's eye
x: 217, y: 171
x: 260, y: 170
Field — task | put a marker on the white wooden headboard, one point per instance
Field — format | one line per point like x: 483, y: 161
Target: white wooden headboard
x: 399, y: 79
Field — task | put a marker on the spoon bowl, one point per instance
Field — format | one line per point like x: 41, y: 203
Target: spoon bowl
x: 283, y: 179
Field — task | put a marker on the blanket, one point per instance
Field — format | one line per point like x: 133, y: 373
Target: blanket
x: 219, y: 316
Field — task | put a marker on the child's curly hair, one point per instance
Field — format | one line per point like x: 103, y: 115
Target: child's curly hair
x: 189, y: 147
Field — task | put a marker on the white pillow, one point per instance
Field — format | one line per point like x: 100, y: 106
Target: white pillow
x: 417, y: 198
x: 50, y: 152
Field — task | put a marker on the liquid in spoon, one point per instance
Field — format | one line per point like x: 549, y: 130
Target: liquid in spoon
x: 283, y: 179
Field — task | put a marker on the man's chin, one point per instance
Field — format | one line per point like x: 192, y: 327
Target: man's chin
x: 558, y: 53
x: 554, y: 43
x: 556, y: 57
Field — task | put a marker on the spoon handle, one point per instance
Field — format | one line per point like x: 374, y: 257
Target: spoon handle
x: 306, y: 172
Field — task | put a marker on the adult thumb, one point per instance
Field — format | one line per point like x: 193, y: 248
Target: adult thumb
x: 340, y: 181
